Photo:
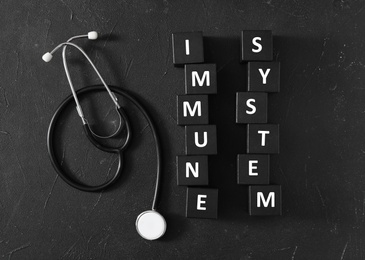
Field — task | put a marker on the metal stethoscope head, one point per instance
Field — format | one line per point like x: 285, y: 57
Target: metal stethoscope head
x: 150, y: 224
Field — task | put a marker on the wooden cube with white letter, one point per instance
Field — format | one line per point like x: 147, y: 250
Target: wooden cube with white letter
x: 202, y: 203
x: 192, y: 112
x: 251, y: 109
x: 265, y: 200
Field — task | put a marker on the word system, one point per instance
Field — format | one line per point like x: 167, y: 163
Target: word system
x: 253, y: 168
x: 193, y: 113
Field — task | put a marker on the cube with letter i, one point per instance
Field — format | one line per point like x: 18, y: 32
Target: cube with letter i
x: 192, y: 170
x: 187, y: 47
x: 202, y: 203
x: 265, y: 200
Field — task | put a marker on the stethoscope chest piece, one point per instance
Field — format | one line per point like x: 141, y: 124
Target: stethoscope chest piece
x: 150, y: 225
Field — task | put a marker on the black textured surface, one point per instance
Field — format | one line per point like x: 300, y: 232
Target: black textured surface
x: 320, y: 109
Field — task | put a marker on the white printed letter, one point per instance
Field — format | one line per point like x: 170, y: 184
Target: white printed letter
x: 196, y: 135
x: 264, y: 75
x: 200, y: 202
x: 195, y: 77
x: 252, y: 167
x: 195, y: 171
x: 187, y: 47
x: 260, y: 196
x: 258, y: 45
x: 197, y: 107
x: 253, y: 108
x: 263, y: 134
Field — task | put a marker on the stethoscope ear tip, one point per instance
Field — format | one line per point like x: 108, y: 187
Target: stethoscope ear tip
x: 47, y: 57
x: 151, y: 225
x: 93, y: 35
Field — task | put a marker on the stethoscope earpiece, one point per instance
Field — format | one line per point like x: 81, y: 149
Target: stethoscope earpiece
x: 151, y: 225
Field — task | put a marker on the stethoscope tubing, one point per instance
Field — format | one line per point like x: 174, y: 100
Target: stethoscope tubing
x: 118, y: 150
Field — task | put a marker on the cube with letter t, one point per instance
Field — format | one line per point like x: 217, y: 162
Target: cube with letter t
x: 263, y: 138
x: 201, y: 203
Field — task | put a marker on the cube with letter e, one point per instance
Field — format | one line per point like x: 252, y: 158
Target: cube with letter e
x: 202, y: 203
x: 253, y: 168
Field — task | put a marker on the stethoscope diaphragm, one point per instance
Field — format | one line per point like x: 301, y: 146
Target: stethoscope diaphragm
x: 150, y: 225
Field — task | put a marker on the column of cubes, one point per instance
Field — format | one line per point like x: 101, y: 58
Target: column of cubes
x: 253, y: 168
x: 193, y: 113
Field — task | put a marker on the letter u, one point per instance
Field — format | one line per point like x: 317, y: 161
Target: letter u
x: 197, y: 143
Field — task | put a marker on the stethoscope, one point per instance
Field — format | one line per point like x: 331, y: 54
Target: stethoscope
x: 150, y: 224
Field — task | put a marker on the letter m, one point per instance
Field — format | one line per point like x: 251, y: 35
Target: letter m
x: 195, y: 77
x: 197, y: 108
x: 260, y: 197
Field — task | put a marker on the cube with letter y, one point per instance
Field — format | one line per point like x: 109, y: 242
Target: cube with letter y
x: 263, y: 76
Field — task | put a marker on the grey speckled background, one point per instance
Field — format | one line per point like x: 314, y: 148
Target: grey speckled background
x: 320, y: 45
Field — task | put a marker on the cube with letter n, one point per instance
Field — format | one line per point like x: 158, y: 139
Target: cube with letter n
x: 192, y: 170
